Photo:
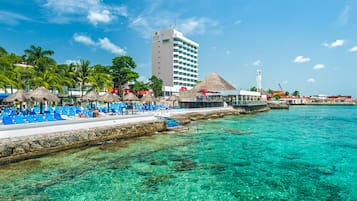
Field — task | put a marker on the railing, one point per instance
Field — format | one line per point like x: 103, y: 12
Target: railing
x: 249, y: 103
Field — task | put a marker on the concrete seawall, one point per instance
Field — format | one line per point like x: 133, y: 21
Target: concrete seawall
x: 21, y: 148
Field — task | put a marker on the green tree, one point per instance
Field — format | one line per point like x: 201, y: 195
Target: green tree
x: 122, y: 71
x: 8, y: 75
x: 296, y: 93
x: 48, y: 79
x: 35, y: 54
x: 2, y: 51
x: 277, y: 96
x: 287, y: 93
x: 156, y: 85
x: 83, y: 74
x: 100, y: 78
x: 253, y: 88
x: 140, y: 86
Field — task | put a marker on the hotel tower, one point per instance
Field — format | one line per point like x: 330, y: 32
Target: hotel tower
x: 174, y: 60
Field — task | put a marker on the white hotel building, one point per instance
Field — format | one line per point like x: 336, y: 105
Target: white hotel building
x: 174, y: 60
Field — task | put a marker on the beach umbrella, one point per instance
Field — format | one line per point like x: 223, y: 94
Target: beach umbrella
x: 148, y: 98
x: 109, y: 98
x: 41, y: 94
x: 91, y: 96
x: 19, y: 96
x: 173, y: 98
x: 130, y: 97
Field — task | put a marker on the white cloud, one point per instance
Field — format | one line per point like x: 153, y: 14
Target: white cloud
x: 228, y: 52
x: 156, y: 17
x: 319, y: 66
x: 301, y: 59
x: 65, y: 11
x: 311, y: 80
x: 69, y: 61
x: 257, y: 63
x: 83, y: 39
x: 353, y: 49
x: 143, y: 78
x: 105, y: 44
x: 99, y: 16
x: 338, y: 42
x: 12, y: 18
x: 344, y: 16
x: 196, y: 25
x: 237, y: 22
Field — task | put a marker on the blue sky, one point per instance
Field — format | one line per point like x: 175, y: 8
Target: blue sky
x: 307, y: 45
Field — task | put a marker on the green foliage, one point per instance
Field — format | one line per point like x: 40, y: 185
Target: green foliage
x: 277, y: 97
x: 156, y: 85
x: 296, y: 93
x: 83, y: 73
x: 287, y: 93
x: 35, y: 54
x: 100, y: 78
x: 122, y: 71
x: 253, y: 88
x: 140, y: 86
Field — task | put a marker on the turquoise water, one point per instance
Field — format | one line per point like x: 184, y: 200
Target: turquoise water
x: 305, y: 153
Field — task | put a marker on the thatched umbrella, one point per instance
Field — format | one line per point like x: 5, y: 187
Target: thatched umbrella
x: 173, y: 98
x: 109, y: 98
x: 19, y: 96
x: 91, y: 96
x: 148, y: 98
x: 130, y: 97
x: 41, y: 94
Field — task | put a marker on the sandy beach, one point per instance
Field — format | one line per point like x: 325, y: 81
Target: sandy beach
x: 22, y: 130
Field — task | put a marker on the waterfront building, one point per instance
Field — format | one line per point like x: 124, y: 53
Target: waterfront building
x: 174, y: 60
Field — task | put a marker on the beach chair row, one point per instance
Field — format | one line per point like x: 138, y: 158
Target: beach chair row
x: 23, y: 119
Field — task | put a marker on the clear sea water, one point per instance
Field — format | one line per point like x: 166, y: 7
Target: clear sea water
x: 304, y: 153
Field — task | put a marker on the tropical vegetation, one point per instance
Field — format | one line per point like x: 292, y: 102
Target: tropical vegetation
x: 36, y: 67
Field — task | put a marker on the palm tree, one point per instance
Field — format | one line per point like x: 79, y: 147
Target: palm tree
x: 35, y: 54
x: 296, y: 93
x: 100, y: 78
x: 83, y: 74
x: 8, y: 76
x: 49, y: 79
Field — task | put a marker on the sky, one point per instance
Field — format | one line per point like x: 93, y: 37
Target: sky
x: 306, y: 45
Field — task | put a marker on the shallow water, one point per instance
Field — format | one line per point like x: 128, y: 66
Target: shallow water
x: 305, y: 153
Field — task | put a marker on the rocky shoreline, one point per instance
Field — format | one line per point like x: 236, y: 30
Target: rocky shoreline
x: 22, y: 148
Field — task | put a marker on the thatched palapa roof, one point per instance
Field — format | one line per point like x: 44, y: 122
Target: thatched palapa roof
x: 109, y: 97
x: 42, y: 94
x: 20, y: 96
x: 148, y: 98
x: 130, y: 97
x: 91, y: 96
x: 214, y: 83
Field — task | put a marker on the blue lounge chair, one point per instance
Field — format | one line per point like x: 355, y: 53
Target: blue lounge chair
x: 58, y: 116
x: 30, y: 119
x: 39, y: 118
x: 19, y: 119
x: 6, y: 120
x: 50, y: 117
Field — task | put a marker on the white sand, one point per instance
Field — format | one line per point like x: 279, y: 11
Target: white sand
x: 10, y: 131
